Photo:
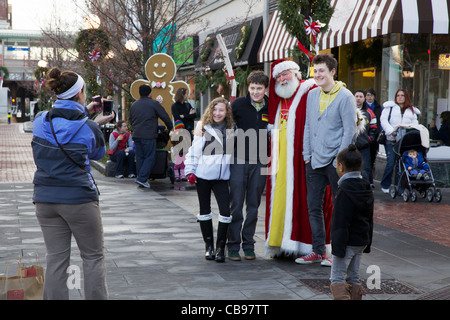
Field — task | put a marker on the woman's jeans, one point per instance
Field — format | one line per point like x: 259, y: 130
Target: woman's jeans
x: 58, y: 223
x: 346, y: 269
x: 390, y: 165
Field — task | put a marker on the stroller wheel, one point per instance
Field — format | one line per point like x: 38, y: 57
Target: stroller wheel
x: 430, y: 195
x: 438, y: 195
x: 393, y: 191
x: 405, y: 195
x: 413, y: 196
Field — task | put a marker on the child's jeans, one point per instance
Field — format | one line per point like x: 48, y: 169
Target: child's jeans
x: 346, y: 269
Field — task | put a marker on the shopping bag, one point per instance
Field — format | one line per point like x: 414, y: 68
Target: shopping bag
x: 35, y: 275
x: 28, y: 284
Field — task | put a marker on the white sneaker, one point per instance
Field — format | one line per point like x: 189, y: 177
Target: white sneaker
x: 142, y: 184
x: 326, y: 262
x: 385, y: 190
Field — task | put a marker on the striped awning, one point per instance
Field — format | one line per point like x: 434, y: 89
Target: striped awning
x: 276, y: 42
x: 355, y: 20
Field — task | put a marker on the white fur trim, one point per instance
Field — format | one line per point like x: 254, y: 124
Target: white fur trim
x: 204, y: 217
x: 224, y: 219
x: 283, y: 66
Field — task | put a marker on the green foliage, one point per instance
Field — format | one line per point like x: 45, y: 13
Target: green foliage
x: 294, y: 12
x: 5, y: 72
x: 241, y: 43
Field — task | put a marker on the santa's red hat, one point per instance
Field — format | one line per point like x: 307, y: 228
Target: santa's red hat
x: 276, y: 68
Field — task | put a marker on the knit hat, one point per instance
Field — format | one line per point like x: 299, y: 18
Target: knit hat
x: 277, y: 67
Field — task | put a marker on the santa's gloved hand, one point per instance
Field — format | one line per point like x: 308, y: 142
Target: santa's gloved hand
x: 191, y: 178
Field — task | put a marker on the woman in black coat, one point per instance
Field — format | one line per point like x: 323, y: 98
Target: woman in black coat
x: 182, y: 110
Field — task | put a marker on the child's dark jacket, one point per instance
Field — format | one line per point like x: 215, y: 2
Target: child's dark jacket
x: 352, y: 221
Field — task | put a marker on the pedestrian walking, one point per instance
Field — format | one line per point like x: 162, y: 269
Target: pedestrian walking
x: 144, y: 115
x: 395, y: 113
x: 208, y: 166
x: 247, y: 181
x: 65, y: 194
x: 351, y: 226
x: 330, y: 127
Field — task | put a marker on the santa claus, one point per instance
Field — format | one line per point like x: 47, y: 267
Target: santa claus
x: 287, y: 224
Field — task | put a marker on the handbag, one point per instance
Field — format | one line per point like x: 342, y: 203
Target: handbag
x: 27, y: 284
x: 382, y: 136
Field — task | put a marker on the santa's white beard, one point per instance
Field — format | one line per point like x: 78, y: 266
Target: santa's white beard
x: 287, y: 90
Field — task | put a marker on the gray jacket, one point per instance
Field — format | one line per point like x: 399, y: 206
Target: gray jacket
x: 328, y: 133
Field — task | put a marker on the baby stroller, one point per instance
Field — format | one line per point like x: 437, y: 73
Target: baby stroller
x: 163, y: 167
x: 406, y: 185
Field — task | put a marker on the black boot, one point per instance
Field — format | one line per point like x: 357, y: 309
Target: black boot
x: 222, y: 230
x: 207, y: 231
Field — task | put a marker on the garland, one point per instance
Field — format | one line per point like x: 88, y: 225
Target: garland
x: 301, y: 17
x: 241, y: 42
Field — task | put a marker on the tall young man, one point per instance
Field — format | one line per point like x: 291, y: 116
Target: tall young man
x: 329, y: 128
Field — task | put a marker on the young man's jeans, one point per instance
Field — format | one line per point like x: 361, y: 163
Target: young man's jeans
x: 316, y: 183
x: 145, y: 158
x: 58, y: 223
x: 390, y: 165
x: 246, y: 185
x: 346, y: 269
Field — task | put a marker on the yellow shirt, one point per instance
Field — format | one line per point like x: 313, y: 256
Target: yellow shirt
x: 327, y: 97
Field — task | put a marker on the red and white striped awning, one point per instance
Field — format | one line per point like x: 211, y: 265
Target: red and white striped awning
x: 277, y: 41
x: 355, y: 20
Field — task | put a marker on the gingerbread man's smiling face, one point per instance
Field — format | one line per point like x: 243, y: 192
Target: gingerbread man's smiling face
x: 160, y: 68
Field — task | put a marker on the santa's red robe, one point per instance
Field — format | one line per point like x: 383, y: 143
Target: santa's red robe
x: 297, y: 232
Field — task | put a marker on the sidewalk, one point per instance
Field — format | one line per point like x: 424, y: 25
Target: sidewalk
x: 154, y: 248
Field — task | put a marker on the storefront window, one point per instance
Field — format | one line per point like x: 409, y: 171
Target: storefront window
x: 410, y: 61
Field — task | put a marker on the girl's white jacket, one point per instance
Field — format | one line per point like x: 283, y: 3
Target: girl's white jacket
x: 205, y: 164
x: 409, y: 117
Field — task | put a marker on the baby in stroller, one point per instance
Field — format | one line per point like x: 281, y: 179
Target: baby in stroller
x: 417, y: 167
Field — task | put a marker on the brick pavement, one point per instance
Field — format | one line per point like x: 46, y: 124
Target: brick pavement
x: 16, y: 157
x: 430, y: 221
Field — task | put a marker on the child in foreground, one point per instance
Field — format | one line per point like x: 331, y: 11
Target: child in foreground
x: 351, y: 226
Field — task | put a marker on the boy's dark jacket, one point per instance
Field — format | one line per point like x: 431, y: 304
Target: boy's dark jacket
x: 248, y: 119
x: 352, y: 221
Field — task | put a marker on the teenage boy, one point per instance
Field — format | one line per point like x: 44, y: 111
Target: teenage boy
x: 330, y: 127
x: 247, y: 180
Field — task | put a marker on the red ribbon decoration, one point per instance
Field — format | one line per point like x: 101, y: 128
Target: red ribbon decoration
x: 94, y: 55
x: 306, y: 51
x: 312, y: 28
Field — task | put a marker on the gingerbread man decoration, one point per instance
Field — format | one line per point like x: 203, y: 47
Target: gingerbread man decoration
x: 160, y: 70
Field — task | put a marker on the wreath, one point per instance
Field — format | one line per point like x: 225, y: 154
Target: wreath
x: 303, y: 19
x: 92, y: 44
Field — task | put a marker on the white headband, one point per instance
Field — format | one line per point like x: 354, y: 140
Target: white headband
x: 77, y: 87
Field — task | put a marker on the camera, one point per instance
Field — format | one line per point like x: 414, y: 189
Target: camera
x: 107, y: 107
